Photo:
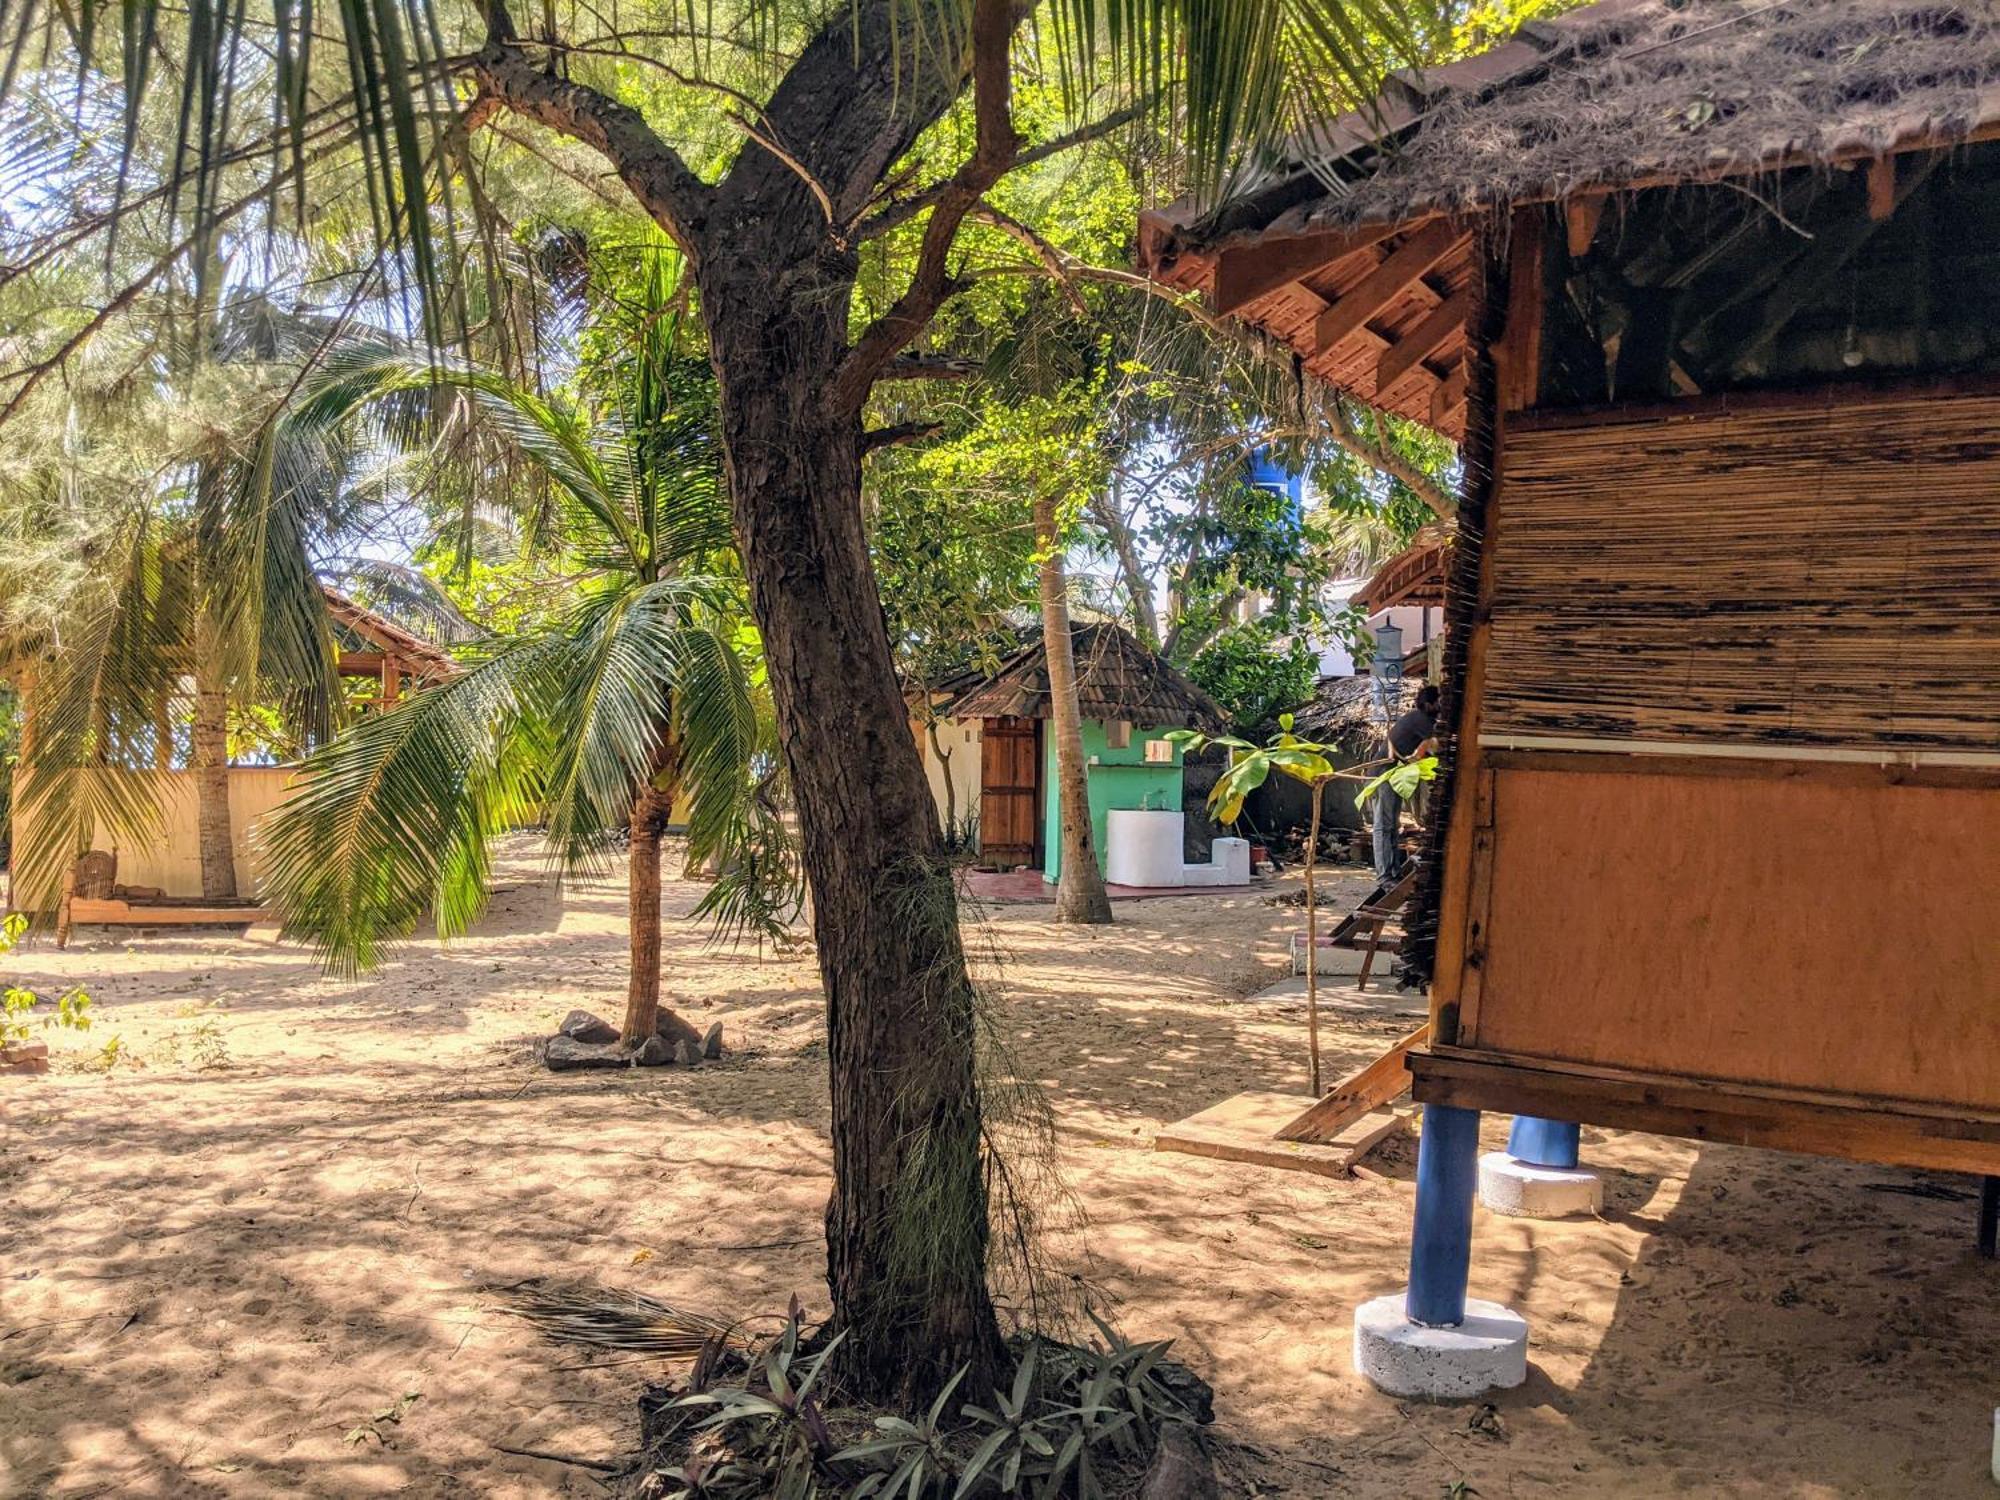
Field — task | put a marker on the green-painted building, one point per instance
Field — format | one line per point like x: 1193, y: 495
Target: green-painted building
x: 1129, y: 698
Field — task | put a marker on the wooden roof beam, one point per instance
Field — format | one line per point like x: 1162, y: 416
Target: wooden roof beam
x: 1448, y: 397
x: 1422, y: 341
x: 1403, y: 265
x: 1581, y: 216
x: 1243, y: 273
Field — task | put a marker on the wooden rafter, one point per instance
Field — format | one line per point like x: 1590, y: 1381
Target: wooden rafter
x: 1448, y: 397
x: 1403, y: 265
x: 1244, y: 273
x: 1422, y: 341
x: 1580, y: 219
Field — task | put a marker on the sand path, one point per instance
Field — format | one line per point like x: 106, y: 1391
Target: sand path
x: 224, y: 1257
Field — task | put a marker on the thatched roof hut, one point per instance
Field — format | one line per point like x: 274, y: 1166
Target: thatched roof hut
x: 372, y: 645
x: 1117, y: 680
x: 1615, y: 96
x: 1711, y: 291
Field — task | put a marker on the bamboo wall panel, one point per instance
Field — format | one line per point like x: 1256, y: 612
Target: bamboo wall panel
x: 1805, y: 934
x: 1817, y: 575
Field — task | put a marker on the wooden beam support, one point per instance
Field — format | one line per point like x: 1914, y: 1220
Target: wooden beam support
x: 1945, y: 1138
x: 1881, y: 188
x: 1243, y: 273
x: 1398, y: 269
x: 1419, y: 343
x: 1448, y: 397
x: 1581, y: 216
x: 1369, y: 1088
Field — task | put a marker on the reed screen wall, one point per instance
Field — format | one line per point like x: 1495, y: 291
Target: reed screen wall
x: 1811, y: 575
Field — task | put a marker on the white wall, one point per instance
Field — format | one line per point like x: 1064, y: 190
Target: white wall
x: 1417, y: 623
x: 960, y: 738
x: 169, y: 854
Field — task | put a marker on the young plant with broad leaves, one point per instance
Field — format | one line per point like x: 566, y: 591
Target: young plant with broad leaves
x: 635, y: 702
x: 1250, y: 766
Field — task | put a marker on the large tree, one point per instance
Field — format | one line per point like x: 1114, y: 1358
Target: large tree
x: 852, y: 143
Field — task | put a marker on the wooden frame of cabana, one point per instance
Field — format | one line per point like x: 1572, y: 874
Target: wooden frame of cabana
x: 1724, y: 869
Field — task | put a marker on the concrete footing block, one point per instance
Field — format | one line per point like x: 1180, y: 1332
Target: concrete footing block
x: 1486, y: 1352
x: 1521, y: 1191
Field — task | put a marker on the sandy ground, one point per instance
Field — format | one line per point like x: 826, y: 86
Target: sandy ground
x: 226, y: 1257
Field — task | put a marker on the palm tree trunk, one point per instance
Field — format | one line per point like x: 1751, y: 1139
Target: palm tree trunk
x: 211, y: 778
x: 651, y: 811
x: 1080, y: 893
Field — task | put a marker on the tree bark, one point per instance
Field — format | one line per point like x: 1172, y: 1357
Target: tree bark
x: 211, y: 777
x: 773, y: 256
x: 1080, y: 893
x: 652, y: 809
x: 907, y: 1229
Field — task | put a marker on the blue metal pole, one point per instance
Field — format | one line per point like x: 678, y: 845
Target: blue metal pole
x: 1441, y: 1238
x: 1544, y: 1143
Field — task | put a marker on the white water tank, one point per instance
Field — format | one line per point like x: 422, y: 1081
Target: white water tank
x: 1143, y: 847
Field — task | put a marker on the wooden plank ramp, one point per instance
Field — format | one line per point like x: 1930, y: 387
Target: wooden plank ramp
x: 1244, y: 1127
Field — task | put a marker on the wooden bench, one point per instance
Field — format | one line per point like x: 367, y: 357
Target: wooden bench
x: 91, y: 895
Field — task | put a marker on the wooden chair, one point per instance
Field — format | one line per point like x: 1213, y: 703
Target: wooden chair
x: 1364, y: 929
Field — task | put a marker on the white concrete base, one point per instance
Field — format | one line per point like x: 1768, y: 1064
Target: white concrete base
x: 1520, y: 1191
x: 1488, y: 1351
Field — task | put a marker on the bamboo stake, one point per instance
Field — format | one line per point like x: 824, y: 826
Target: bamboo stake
x: 1312, y: 938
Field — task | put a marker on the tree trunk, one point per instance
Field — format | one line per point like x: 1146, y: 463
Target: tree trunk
x: 1312, y: 936
x: 1110, y: 518
x: 944, y: 772
x: 907, y: 1229
x: 1080, y: 894
x: 211, y: 777
x: 651, y: 811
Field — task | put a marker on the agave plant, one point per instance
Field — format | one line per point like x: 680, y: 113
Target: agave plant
x: 631, y: 704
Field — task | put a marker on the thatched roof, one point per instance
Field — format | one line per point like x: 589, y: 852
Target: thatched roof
x: 1346, y: 706
x: 1416, y: 575
x: 356, y: 627
x: 1618, y: 95
x: 1116, y: 679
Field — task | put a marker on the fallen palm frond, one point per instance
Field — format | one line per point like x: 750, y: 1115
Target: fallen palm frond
x: 607, y: 1318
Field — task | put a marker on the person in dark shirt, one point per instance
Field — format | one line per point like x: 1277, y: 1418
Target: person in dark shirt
x: 1409, y: 739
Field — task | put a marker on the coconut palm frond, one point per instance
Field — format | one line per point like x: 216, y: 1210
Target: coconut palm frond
x: 394, y: 816
x: 1239, y: 76
x: 96, y: 704
x: 264, y: 595
x: 650, y: 662
x: 603, y: 1318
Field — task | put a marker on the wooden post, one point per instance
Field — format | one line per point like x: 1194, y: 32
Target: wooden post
x: 392, y: 681
x: 1441, y: 1237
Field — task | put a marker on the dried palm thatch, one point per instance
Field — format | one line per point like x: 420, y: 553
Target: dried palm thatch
x: 1631, y: 91
x: 608, y: 1318
x: 1116, y: 679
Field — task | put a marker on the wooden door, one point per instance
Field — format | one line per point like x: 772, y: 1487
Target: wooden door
x: 1010, y: 792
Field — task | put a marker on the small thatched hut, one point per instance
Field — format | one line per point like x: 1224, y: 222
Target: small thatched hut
x: 1129, y: 697
x: 1708, y: 289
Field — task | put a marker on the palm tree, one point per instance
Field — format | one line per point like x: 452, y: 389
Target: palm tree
x: 631, y: 702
